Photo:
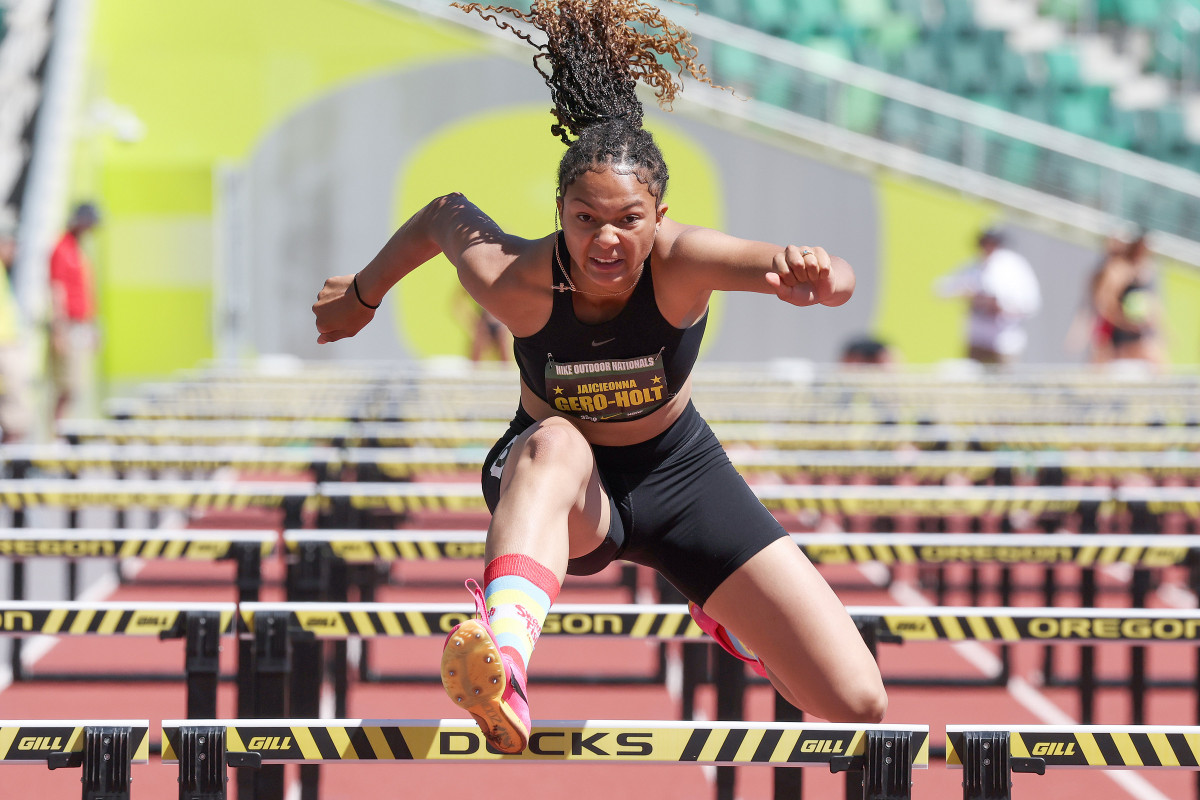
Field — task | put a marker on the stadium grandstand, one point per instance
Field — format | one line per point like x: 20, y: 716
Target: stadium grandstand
x: 231, y: 570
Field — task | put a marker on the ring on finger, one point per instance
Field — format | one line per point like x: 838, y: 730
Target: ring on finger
x: 806, y: 252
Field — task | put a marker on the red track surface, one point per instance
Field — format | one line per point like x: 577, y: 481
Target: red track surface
x: 441, y: 582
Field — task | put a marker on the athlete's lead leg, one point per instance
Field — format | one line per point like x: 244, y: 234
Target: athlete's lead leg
x: 551, y: 507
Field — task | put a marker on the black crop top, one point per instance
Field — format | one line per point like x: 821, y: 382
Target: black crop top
x: 615, y: 370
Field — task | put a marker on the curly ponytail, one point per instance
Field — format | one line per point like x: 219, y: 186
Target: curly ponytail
x: 592, y: 60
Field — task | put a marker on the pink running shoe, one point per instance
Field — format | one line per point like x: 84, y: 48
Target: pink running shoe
x: 486, y: 683
x: 717, y: 631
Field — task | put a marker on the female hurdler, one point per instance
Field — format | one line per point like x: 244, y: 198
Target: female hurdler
x: 606, y: 457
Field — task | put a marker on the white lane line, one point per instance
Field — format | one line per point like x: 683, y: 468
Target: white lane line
x: 1029, y: 697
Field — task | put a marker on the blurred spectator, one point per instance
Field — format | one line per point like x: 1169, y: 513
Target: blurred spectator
x: 72, y: 326
x: 1127, y: 306
x: 490, y: 339
x: 1088, y: 330
x: 16, y: 405
x: 1003, y: 292
x: 866, y: 350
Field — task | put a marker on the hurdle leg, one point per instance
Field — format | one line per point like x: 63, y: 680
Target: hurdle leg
x: 272, y: 663
x: 788, y: 781
x: 17, y: 592
x: 202, y: 663
x: 731, y: 691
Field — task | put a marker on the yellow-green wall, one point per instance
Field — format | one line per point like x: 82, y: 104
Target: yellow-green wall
x: 207, y: 78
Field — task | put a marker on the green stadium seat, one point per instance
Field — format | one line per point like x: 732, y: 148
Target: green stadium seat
x: 813, y: 18
x: 1070, y: 12
x: 858, y: 109
x: 895, y: 35
x: 967, y: 69
x: 901, y: 123
x: 812, y: 99
x: 958, y: 16
x: 944, y: 139
x: 834, y: 46
x: 1062, y: 69
x: 733, y: 66
x: 1012, y: 73
x: 731, y: 10
x: 1034, y: 105
x: 993, y: 99
x: 1121, y: 130
x: 1017, y: 161
x: 1083, y: 112
x: 920, y: 63
x: 867, y: 14
x: 1140, y: 13
x: 778, y: 86
x: 1107, y: 11
x: 770, y: 16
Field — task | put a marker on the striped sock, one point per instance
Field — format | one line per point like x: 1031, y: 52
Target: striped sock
x: 518, y: 592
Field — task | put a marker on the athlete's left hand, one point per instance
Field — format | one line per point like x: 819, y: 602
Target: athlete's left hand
x: 802, y: 276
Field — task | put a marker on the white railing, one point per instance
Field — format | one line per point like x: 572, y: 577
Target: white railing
x: 1007, y: 158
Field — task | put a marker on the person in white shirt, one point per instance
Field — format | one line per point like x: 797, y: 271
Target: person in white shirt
x: 1003, y: 293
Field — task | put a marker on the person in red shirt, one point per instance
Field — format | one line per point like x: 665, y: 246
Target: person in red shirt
x: 72, y: 332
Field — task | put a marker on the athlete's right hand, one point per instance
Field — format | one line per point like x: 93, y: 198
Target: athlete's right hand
x: 338, y: 311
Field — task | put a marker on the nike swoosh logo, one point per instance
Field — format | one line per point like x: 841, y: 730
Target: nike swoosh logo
x: 603, y: 341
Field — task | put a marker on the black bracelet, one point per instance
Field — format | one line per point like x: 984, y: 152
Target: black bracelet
x: 354, y: 283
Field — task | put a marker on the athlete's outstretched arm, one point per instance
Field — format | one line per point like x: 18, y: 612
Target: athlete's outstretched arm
x: 801, y: 275
x: 451, y: 224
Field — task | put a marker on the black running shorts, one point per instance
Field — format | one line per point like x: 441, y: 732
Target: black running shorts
x: 679, y: 506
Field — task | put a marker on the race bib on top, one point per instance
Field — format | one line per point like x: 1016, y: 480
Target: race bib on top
x: 608, y: 390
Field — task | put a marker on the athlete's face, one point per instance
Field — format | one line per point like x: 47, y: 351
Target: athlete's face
x: 609, y: 219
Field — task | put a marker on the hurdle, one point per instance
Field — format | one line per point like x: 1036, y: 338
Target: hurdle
x: 201, y: 625
x: 105, y: 749
x: 884, y: 754
x: 277, y: 433
x: 497, y: 404
x: 1047, y: 467
x: 780, y: 435
x: 156, y: 459
x: 246, y: 549
x: 290, y: 499
x: 343, y: 505
x: 307, y: 622
x: 990, y: 755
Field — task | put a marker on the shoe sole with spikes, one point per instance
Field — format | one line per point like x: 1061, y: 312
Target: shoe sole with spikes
x: 473, y: 676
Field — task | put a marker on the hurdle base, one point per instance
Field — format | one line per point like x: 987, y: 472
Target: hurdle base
x: 106, y: 759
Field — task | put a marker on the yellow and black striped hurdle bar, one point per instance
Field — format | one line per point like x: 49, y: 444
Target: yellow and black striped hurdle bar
x: 782, y: 435
x: 472, y: 403
x: 1003, y: 550
x: 886, y: 754
x: 402, y: 463
x: 989, y: 755
x: 201, y: 625
x: 246, y: 548
x: 817, y: 436
x: 157, y: 460
x: 105, y: 749
x: 290, y: 499
x: 341, y: 504
x: 1049, y: 467
x: 879, y: 624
